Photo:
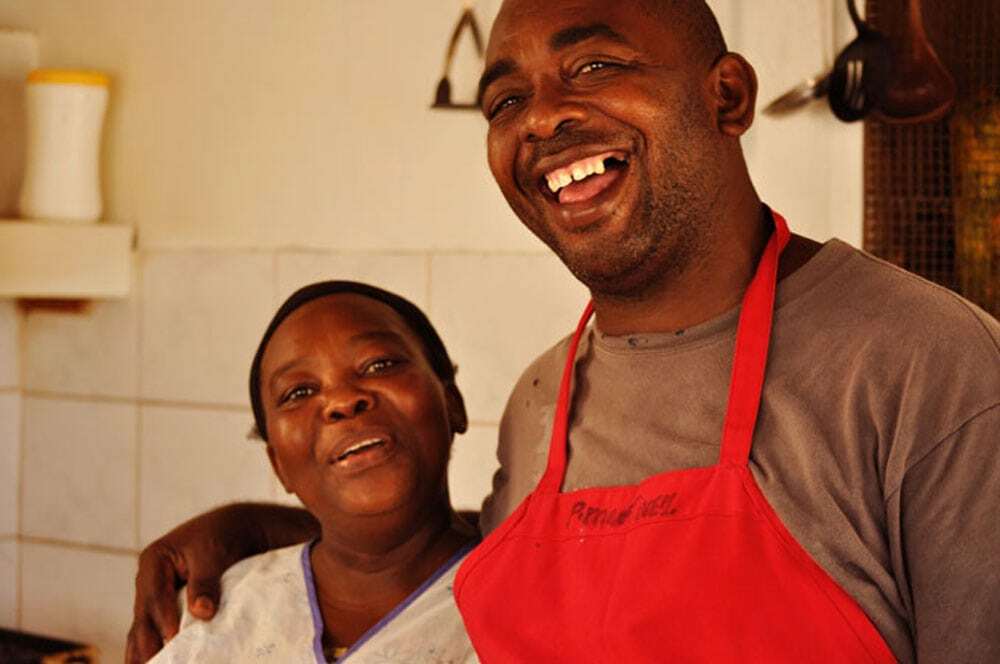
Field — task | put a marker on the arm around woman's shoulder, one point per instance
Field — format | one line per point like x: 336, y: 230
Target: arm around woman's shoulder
x: 197, y: 553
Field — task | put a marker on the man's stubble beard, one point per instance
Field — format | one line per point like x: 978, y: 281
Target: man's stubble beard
x: 661, y: 241
x: 669, y: 231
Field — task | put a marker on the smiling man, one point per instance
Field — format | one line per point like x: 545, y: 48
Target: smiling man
x: 764, y: 449
x: 609, y: 160
x: 614, y: 135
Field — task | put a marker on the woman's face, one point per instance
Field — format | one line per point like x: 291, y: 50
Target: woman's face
x: 358, y: 424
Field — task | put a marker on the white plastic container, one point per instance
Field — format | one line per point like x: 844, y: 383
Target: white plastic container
x: 65, y: 116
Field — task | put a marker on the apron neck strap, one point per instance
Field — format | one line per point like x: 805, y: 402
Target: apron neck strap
x: 753, y: 337
x: 554, y: 471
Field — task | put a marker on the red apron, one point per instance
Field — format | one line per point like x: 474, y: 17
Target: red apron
x: 686, y: 566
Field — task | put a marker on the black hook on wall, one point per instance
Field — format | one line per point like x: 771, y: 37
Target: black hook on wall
x: 442, y: 98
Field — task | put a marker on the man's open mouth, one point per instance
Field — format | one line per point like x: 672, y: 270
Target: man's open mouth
x: 585, y: 178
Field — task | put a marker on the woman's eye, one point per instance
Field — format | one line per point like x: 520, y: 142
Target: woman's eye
x: 297, y: 393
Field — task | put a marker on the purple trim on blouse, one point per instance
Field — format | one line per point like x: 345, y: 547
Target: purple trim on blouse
x: 317, y: 617
x: 386, y: 619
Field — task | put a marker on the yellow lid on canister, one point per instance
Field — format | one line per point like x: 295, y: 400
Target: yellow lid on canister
x: 69, y: 77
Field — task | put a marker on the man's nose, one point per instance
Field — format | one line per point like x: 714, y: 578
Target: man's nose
x: 551, y: 110
x: 346, y: 402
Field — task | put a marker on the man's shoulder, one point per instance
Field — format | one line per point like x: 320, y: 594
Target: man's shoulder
x: 910, y: 358
x: 895, y: 305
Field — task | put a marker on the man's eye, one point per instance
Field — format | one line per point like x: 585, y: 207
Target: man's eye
x: 594, y: 66
x: 503, y: 104
x: 380, y: 365
x: 297, y: 393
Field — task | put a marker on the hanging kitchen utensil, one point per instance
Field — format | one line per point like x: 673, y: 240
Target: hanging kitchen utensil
x: 803, y: 93
x: 921, y: 89
x: 860, y: 72
x: 811, y: 88
x: 442, y: 98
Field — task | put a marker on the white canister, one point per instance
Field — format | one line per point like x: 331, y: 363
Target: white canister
x: 65, y: 116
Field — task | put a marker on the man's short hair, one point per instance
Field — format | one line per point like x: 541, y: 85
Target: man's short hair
x: 696, y: 21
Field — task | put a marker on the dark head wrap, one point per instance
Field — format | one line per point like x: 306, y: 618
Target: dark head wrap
x: 433, y: 346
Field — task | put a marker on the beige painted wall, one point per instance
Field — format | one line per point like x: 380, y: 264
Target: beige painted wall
x: 258, y: 145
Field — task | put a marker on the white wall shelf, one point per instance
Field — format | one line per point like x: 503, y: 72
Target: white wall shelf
x: 68, y: 261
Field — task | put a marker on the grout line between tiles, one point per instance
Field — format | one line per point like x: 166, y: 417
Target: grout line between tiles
x: 137, y: 495
x: 18, y: 518
x: 278, y: 251
x: 21, y: 329
x: 428, y: 272
x: 163, y: 403
x: 77, y: 546
x: 18, y: 582
x: 274, y: 281
x: 140, y: 321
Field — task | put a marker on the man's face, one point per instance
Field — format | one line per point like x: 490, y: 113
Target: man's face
x: 601, y: 138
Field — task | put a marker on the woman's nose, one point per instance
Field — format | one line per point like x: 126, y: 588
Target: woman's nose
x: 346, y: 403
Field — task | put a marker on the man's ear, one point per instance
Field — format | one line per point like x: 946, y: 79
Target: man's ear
x: 276, y: 465
x: 733, y: 90
x: 457, y: 418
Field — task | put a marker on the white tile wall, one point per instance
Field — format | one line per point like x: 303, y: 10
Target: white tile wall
x: 77, y: 594
x: 496, y: 314
x: 79, y: 471
x: 193, y: 460
x: 9, y: 349
x: 90, y: 353
x: 470, y: 471
x: 202, y: 315
x: 405, y: 274
x: 10, y: 444
x: 8, y: 582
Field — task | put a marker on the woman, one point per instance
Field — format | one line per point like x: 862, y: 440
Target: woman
x: 354, y: 394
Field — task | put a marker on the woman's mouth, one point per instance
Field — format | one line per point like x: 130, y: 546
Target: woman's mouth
x: 364, y: 454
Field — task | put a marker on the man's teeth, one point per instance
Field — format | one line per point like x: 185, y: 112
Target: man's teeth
x: 575, y: 172
x: 359, y: 446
